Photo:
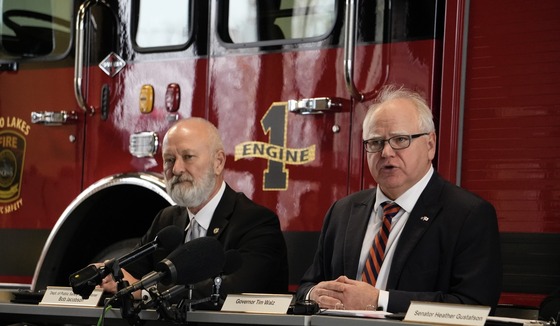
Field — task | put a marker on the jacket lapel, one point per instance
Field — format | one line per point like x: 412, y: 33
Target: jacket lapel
x: 357, y: 224
x: 422, y: 216
x: 223, y: 211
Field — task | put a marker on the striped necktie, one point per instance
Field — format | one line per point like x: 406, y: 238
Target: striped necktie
x: 377, y: 250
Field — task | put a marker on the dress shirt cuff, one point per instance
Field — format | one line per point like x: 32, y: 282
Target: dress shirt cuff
x: 308, y: 294
x: 383, y: 300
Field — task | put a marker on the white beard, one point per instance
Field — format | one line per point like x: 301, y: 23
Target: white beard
x: 187, y: 192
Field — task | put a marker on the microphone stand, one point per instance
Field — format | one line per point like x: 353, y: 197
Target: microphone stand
x: 215, y: 297
x: 185, y: 305
x: 178, y: 313
x: 128, y: 311
x: 162, y: 306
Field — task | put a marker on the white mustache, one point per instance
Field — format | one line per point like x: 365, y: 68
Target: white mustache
x: 181, y: 178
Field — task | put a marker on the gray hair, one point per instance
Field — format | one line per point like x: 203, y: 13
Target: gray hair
x: 391, y: 92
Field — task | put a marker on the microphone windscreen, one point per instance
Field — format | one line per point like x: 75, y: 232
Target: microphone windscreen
x: 170, y: 237
x: 233, y: 261
x: 196, y: 260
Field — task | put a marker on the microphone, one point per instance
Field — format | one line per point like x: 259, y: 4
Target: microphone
x: 168, y: 238
x: 192, y: 262
x: 232, y: 263
x: 84, y: 281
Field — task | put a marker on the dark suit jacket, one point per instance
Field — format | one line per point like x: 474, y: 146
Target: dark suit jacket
x: 453, y: 256
x: 240, y: 224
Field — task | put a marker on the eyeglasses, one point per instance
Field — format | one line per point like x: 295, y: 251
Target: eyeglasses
x: 375, y: 145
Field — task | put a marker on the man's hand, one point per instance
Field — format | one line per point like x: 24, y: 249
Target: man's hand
x: 109, y: 285
x: 357, y: 295
x: 345, y: 293
x: 327, y: 294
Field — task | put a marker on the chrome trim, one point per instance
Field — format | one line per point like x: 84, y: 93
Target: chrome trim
x: 50, y: 118
x: 149, y: 181
x: 143, y: 144
x: 318, y: 105
x: 349, y: 44
x: 80, y: 53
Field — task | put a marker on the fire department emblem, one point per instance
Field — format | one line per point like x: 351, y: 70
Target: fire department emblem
x: 12, y: 150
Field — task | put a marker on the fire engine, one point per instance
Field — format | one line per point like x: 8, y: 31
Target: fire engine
x: 88, y: 89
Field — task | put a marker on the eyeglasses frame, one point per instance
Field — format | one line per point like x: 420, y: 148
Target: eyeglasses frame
x: 386, y: 141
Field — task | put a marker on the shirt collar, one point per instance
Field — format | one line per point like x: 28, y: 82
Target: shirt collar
x: 204, y: 215
x: 409, y: 198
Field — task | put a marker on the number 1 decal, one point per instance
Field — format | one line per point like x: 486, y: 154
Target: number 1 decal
x: 276, y: 152
x: 275, y: 124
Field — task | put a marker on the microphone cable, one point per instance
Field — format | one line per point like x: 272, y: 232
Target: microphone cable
x: 106, y: 307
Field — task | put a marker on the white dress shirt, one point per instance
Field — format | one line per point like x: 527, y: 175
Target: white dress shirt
x: 204, y: 216
x: 406, y: 201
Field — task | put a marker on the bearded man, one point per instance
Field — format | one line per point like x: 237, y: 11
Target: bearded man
x: 193, y: 165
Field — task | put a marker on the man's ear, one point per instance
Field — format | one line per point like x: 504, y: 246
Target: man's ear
x: 432, y: 145
x: 219, y: 161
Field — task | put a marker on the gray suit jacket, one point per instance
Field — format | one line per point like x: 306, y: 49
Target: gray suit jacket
x: 452, y: 256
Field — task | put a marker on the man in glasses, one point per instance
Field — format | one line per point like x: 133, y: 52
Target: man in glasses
x: 415, y: 237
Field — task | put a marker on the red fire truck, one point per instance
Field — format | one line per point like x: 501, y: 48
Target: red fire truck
x: 88, y: 88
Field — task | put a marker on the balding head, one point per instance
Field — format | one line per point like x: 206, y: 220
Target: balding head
x: 198, y: 127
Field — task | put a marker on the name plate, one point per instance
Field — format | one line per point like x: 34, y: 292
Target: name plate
x: 58, y: 295
x: 258, y: 303
x: 446, y: 313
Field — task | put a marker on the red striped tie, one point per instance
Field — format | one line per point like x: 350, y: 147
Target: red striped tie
x: 377, y: 250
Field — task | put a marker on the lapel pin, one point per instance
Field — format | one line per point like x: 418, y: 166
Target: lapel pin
x: 425, y: 218
x: 216, y: 230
